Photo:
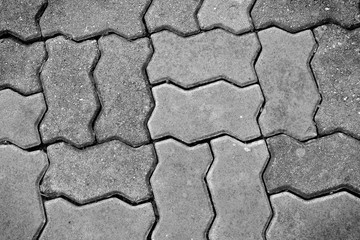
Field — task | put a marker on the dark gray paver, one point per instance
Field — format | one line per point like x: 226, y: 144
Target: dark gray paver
x: 105, y: 220
x: 331, y: 217
x: 207, y: 111
x: 20, y: 65
x: 336, y: 68
x: 203, y: 58
x: 69, y: 91
x: 126, y: 101
x: 18, y: 18
x: 315, y: 167
x: 240, y: 201
x: 21, y: 209
x: 86, y: 18
x: 180, y: 191
x: 19, y: 118
x: 286, y: 80
x: 98, y: 171
x: 297, y: 15
x: 232, y: 15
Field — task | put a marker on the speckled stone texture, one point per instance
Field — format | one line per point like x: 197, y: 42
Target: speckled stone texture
x: 19, y: 118
x: 18, y: 18
x: 331, y: 217
x: 69, y: 91
x: 205, y: 112
x: 22, y: 214
x: 203, y: 58
x: 286, y: 80
x: 336, y: 68
x: 20, y: 65
x: 82, y: 19
x: 105, y: 220
x: 297, y: 15
x: 122, y: 84
x: 180, y: 191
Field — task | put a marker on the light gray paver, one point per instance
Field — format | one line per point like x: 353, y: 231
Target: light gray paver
x: 105, y: 220
x: 69, y: 91
x: 205, y: 112
x: 180, y: 191
x: 290, y: 91
x: 21, y: 209
x: 126, y: 101
x: 331, y: 217
x: 203, y: 58
x: 240, y: 201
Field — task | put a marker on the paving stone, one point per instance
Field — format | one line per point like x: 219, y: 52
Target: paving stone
x: 232, y: 15
x: 297, y: 15
x: 234, y: 179
x: 107, y: 219
x: 315, y: 167
x: 204, y: 112
x: 203, y: 58
x: 327, y: 218
x: 18, y: 18
x: 180, y: 191
x: 19, y: 118
x: 22, y: 214
x: 286, y: 80
x: 87, y: 18
x: 336, y: 68
x: 98, y: 171
x: 69, y: 91
x: 122, y: 84
x: 20, y: 65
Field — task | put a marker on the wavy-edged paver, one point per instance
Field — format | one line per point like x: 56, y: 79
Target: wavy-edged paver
x: 336, y: 68
x: 19, y: 118
x: 180, y: 191
x: 98, y: 171
x: 20, y: 65
x: 105, y: 220
x: 203, y: 58
x: 22, y: 214
x: 122, y: 84
x: 297, y: 15
x: 69, y: 91
x: 232, y: 15
x: 286, y: 80
x: 204, y: 112
x: 18, y: 18
x: 240, y: 201
x: 312, y: 168
x: 331, y: 217
x: 83, y: 19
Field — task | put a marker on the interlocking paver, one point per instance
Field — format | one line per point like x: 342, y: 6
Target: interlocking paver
x: 328, y: 218
x: 240, y: 201
x: 297, y: 15
x: 207, y: 111
x: 105, y: 220
x: 232, y: 15
x: 315, y: 167
x: 18, y: 18
x: 290, y: 91
x: 69, y: 91
x: 180, y: 191
x: 126, y: 101
x: 336, y: 68
x: 21, y: 209
x: 19, y: 118
x: 86, y: 18
x: 203, y: 58
x: 20, y: 65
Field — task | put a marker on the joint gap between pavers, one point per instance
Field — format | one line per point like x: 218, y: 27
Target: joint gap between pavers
x: 39, y: 14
